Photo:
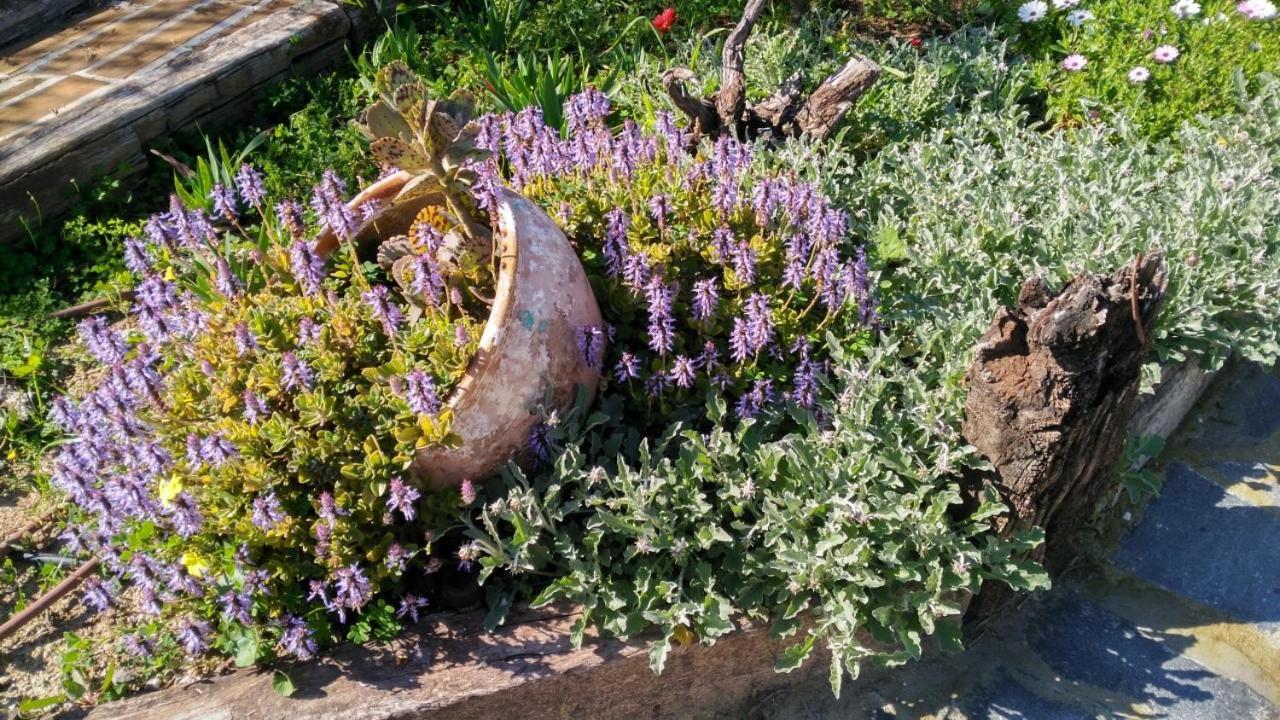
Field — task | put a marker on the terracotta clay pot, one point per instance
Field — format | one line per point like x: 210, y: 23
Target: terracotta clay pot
x: 528, y: 354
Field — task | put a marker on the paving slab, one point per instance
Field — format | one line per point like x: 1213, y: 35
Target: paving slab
x: 1201, y: 542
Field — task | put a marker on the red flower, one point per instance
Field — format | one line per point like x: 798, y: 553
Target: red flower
x: 664, y: 20
x: 916, y: 42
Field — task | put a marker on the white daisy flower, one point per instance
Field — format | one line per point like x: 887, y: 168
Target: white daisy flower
x: 1032, y: 11
x: 1139, y: 75
x: 1165, y: 54
x: 1184, y: 9
x: 1064, y: 4
x: 1074, y: 62
x: 1076, y: 18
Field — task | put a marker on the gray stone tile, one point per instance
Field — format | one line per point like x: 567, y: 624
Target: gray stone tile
x: 1207, y: 545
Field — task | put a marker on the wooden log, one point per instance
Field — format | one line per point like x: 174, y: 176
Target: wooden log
x: 833, y: 98
x: 1052, y: 390
x: 701, y: 111
x: 731, y: 100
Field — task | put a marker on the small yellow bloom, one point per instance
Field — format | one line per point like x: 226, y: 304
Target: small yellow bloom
x: 194, y: 564
x: 170, y: 489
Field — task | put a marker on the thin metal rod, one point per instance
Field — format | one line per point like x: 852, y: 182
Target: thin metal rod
x: 43, y: 602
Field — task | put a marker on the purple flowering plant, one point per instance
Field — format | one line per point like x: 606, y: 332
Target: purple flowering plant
x: 243, y: 463
x: 714, y: 275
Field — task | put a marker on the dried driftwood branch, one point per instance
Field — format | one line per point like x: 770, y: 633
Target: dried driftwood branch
x: 784, y: 113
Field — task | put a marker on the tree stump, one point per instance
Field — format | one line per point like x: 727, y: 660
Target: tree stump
x: 1051, y: 390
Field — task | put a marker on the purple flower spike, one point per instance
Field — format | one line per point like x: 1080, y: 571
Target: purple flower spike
x: 467, y: 492
x: 705, y: 299
x: 296, y: 638
x: 224, y: 201
x: 296, y: 372
x: 289, y: 212
x: 104, y: 343
x: 397, y: 558
x: 193, y: 636
x: 254, y: 407
x: 591, y: 344
x: 97, y: 595
x: 136, y: 257
x: 249, y: 184
x: 352, y: 589
x: 420, y: 392
x: 384, y: 309
x: 267, y: 513
x: 246, y: 342
x: 410, y: 604
x: 683, y: 371
x: 662, y: 330
x: 306, y: 266
x: 616, y: 245
x: 402, y: 497
x: 628, y: 368
x: 660, y: 208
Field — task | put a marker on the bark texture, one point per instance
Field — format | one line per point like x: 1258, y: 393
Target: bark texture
x: 785, y: 113
x: 1052, y: 390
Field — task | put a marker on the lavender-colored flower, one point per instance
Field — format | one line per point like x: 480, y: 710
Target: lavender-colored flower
x: 467, y: 492
x: 296, y: 638
x: 185, y: 516
x: 410, y: 604
x: 289, y: 212
x: 237, y: 606
x: 756, y: 400
x: 267, y: 512
x: 683, y: 371
x: 137, y: 646
x: 591, y: 344
x: 460, y: 335
x: 249, y: 184
x: 254, y: 407
x: 616, y: 246
x: 326, y: 201
x: 351, y: 589
x: 660, y: 208
x: 307, y: 267
x: 136, y: 256
x: 224, y: 201
x: 628, y: 368
x: 862, y: 288
x: 672, y: 138
x: 103, y: 342
x: 427, y: 280
x: 419, y: 391
x: 1074, y: 62
x: 397, y: 558
x: 705, y: 299
x: 662, y: 331
x: 1165, y: 54
x: 193, y: 636
x: 804, y: 384
x: 98, y: 595
x: 402, y: 497
x: 309, y: 331
x: 744, y: 262
x: 246, y: 341
x: 224, y: 280
x: 386, y: 311
x: 635, y: 271
x: 297, y: 374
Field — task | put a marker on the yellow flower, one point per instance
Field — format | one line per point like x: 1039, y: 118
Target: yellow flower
x: 194, y: 564
x: 170, y: 489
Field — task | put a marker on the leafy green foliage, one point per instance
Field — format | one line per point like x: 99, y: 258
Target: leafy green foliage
x: 841, y: 531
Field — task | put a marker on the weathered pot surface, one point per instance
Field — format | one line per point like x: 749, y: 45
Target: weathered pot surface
x: 528, y: 354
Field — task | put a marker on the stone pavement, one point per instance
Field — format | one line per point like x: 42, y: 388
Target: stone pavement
x: 1184, y: 623
x: 84, y: 96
